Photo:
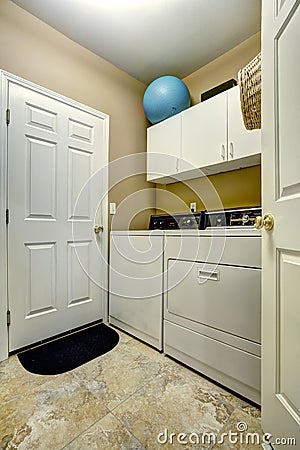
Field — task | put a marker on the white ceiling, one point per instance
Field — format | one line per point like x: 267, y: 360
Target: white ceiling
x: 150, y: 38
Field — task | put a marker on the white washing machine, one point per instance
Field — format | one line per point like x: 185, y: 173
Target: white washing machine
x: 136, y: 276
x: 136, y: 284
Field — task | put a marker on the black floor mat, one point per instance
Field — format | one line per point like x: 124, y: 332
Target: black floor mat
x: 70, y: 351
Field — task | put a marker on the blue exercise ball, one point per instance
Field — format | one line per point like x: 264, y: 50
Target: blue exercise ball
x: 165, y: 97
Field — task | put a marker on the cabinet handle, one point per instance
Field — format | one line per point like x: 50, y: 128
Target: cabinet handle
x: 231, y: 149
x: 222, y: 154
x: 177, y: 164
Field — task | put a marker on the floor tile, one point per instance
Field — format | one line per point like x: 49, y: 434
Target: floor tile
x: 106, y: 434
x: 50, y: 415
x: 15, y: 380
x: 206, y: 384
x: 117, y: 375
x: 172, y: 404
x: 241, y: 432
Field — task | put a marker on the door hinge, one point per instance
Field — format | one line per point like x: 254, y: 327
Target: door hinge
x: 7, y: 216
x: 8, y: 318
x: 7, y: 116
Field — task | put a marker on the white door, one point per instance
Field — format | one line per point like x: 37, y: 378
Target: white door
x: 241, y: 142
x: 53, y: 150
x: 281, y: 197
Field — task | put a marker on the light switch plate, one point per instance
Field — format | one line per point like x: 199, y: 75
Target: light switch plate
x: 112, y: 208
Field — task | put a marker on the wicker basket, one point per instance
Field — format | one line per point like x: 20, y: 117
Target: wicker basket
x: 249, y: 78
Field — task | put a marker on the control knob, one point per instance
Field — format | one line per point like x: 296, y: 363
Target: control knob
x: 245, y: 218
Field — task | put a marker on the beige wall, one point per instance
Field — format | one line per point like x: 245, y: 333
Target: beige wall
x: 222, y: 68
x: 236, y: 188
x: 37, y: 52
x: 228, y: 190
x: 34, y: 51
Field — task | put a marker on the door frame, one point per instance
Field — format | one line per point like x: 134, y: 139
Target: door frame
x: 6, y: 78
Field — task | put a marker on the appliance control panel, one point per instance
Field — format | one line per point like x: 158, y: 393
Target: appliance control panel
x: 239, y: 217
x: 188, y: 221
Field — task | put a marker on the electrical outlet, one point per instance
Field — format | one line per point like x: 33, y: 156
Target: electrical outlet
x: 112, y: 208
x: 193, y: 207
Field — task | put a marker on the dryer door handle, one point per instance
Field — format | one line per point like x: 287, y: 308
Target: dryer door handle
x: 213, y: 275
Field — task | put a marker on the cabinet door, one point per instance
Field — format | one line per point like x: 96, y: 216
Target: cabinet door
x: 204, y: 133
x: 241, y: 142
x: 163, y: 148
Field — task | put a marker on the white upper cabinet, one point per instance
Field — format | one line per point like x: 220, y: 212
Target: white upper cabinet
x: 207, y: 138
x: 204, y: 133
x: 241, y: 142
x: 163, y: 148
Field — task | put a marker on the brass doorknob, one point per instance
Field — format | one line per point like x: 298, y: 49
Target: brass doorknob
x: 266, y: 222
x: 98, y: 228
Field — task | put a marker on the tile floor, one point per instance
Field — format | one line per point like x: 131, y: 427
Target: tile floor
x: 130, y: 398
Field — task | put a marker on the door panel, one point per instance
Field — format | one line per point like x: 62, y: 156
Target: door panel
x: 53, y: 150
x: 38, y: 117
x: 79, y: 288
x: 41, y: 193
x: 81, y: 131
x: 40, y: 275
x: 288, y: 331
x: 79, y: 170
x: 287, y: 108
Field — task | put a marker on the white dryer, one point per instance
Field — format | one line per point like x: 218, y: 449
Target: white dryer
x: 212, y: 301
